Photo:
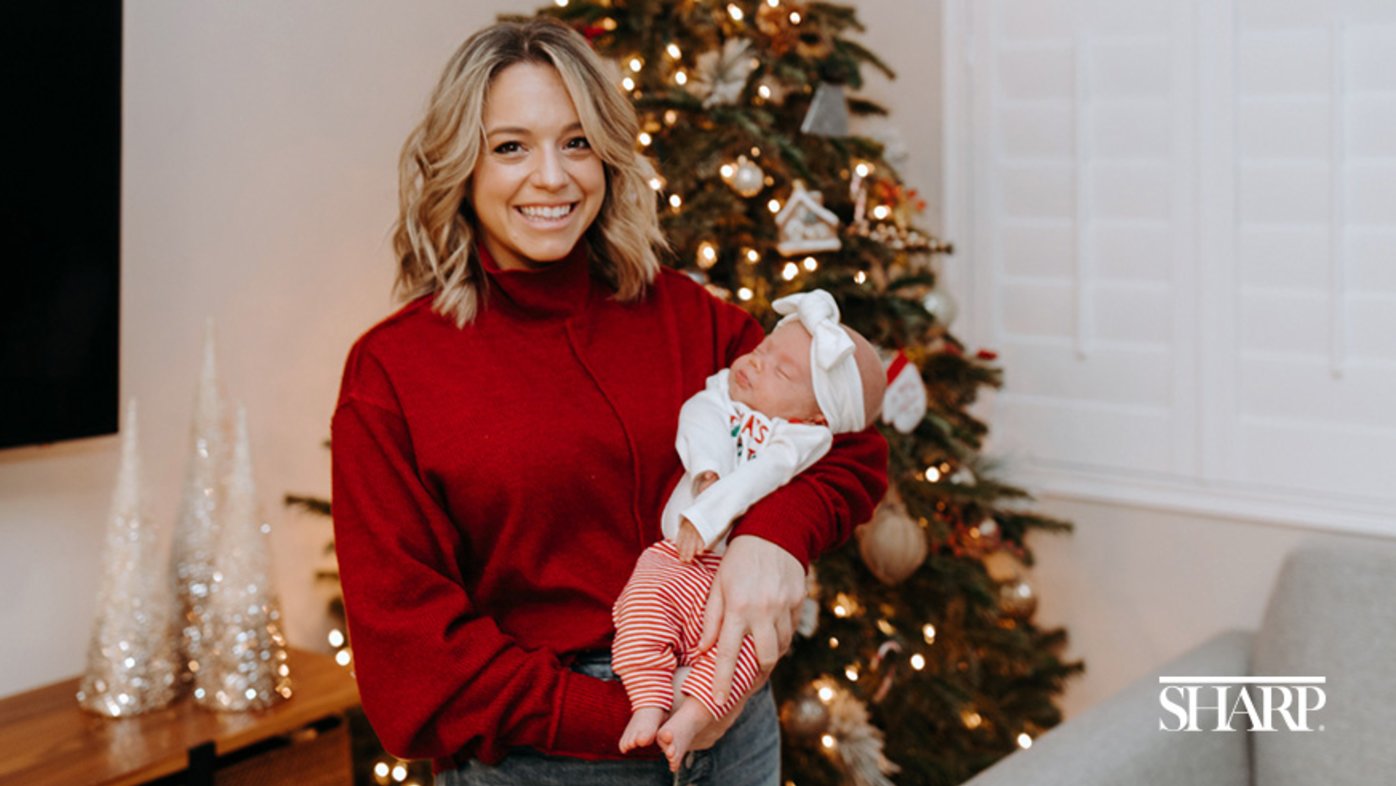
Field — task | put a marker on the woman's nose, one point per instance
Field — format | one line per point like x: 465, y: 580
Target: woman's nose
x: 549, y: 172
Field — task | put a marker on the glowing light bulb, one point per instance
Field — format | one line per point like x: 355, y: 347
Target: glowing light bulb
x: 627, y: 83
x: 336, y: 638
x: 673, y: 50
x: 851, y: 673
x: 561, y: 3
x: 753, y: 256
x: 773, y: 206
x: 1024, y: 740
x: 707, y: 254
x: 726, y: 170
x: 675, y: 201
x: 380, y: 771
x: 881, y: 211
x: 671, y: 116
x: 342, y: 657
x: 790, y: 271
x: 794, y: 17
x: 645, y: 138
x: 608, y: 24
x: 680, y: 78
x: 833, y: 642
x: 735, y: 12
x: 933, y: 474
x: 399, y: 773
x: 860, y: 277
x: 863, y: 169
x: 827, y: 741
x: 773, y: 3
x: 636, y: 64
x: 744, y: 293
x: 928, y: 632
x: 656, y: 183
x: 810, y: 264
x: 826, y: 694
x: 763, y: 91
x: 918, y: 661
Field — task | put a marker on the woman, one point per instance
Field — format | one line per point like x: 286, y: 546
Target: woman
x: 504, y: 443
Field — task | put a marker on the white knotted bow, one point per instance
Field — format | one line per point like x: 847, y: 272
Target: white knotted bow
x: 837, y: 385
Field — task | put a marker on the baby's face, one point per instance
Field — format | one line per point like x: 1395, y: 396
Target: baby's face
x: 774, y: 379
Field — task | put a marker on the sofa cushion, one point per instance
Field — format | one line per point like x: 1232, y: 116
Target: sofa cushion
x: 1331, y: 614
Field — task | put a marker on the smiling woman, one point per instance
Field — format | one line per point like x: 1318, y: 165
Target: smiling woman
x: 504, y: 443
x: 540, y: 185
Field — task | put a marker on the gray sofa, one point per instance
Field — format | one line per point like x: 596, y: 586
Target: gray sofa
x: 1332, y: 613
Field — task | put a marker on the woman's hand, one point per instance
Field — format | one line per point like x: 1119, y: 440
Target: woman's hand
x: 758, y: 592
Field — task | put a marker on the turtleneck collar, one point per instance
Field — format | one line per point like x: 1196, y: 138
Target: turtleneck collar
x: 553, y: 290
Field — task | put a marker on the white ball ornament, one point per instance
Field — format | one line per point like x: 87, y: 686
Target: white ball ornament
x: 892, y: 545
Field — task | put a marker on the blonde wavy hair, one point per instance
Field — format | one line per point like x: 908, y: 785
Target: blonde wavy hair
x: 434, y: 237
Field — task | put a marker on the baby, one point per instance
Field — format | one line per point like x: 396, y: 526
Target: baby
x: 755, y: 426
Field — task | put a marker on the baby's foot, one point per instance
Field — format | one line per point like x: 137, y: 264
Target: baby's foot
x: 677, y: 733
x: 639, y: 732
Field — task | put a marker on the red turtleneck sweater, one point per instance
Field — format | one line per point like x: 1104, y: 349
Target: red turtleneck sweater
x: 494, y: 485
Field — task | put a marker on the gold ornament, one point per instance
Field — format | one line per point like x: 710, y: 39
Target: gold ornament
x: 744, y: 177
x: 1017, y: 599
x: 804, y: 716
x: 892, y: 544
x: 1003, y: 566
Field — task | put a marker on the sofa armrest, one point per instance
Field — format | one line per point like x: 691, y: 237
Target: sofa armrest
x: 1119, y: 741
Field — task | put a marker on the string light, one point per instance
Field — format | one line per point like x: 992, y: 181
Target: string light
x: 972, y: 719
x: 627, y: 83
x: 744, y: 293
x: 827, y: 741
x: 727, y: 170
x: 336, y: 638
x: 826, y: 694
x: 863, y: 169
x: 734, y: 12
x: 342, y: 657
x: 399, y: 772
x: 657, y: 183
x: 881, y: 211
x: 773, y: 3
x: 673, y: 50
x: 794, y: 17
x: 918, y: 661
x: 928, y: 632
x: 790, y: 271
x: 833, y: 642
x: 707, y: 254
x: 1024, y: 740
x: 860, y: 277
x: 773, y: 206
x: 933, y: 474
x: 755, y: 151
x: 811, y: 264
x: 851, y: 672
x: 380, y: 771
x: 675, y: 201
x: 680, y: 78
x: 886, y: 628
x: 636, y: 64
x: 763, y: 90
x: 561, y: 3
x: 608, y: 24
x: 753, y: 256
x: 671, y: 117
x: 645, y: 138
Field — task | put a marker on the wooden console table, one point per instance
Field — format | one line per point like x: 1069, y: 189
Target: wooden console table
x: 46, y: 738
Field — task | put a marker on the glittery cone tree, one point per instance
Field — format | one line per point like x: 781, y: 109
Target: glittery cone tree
x: 131, y: 662
x: 196, y: 529
x: 919, y: 661
x: 244, y: 665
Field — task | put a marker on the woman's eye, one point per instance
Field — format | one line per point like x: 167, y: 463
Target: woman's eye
x: 508, y: 147
x: 578, y: 143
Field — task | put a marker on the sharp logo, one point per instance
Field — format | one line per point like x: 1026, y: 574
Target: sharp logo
x: 1241, y: 703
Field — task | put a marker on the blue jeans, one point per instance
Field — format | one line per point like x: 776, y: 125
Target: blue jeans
x: 747, y: 755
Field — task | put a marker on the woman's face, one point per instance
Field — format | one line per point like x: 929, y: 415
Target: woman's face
x: 538, y: 184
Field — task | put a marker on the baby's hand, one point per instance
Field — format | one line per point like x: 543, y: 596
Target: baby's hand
x: 689, y: 543
x: 704, y: 479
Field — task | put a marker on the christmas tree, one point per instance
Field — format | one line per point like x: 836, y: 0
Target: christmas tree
x: 918, y: 660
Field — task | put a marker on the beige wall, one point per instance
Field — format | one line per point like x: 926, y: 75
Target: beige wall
x: 260, y: 144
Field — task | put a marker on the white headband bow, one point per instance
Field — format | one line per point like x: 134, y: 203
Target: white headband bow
x: 838, y: 387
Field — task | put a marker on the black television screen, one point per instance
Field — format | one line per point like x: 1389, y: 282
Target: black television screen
x: 62, y: 221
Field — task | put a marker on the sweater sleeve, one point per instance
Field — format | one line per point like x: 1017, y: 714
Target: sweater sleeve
x: 819, y: 509
x: 792, y: 449
x: 436, y: 677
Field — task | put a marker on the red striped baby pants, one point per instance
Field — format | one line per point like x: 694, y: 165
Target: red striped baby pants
x: 659, y: 621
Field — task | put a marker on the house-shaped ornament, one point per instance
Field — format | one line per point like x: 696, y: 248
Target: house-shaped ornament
x: 806, y: 226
